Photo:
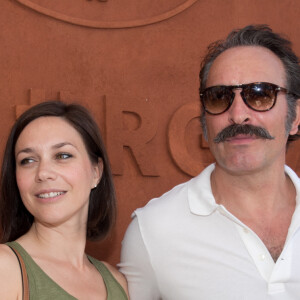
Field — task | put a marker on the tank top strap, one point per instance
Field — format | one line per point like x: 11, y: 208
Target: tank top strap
x: 113, y: 287
x: 38, y: 280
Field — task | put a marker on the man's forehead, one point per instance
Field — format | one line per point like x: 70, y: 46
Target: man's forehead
x: 246, y: 64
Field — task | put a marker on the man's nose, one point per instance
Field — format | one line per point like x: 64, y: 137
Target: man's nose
x: 239, y: 112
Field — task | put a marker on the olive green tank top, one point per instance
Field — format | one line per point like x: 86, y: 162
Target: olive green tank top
x: 42, y: 287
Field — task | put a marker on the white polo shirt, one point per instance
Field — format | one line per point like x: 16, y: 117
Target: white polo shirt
x: 184, y: 246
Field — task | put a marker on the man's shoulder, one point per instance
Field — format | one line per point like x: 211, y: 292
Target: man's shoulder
x: 177, y: 198
x: 168, y: 199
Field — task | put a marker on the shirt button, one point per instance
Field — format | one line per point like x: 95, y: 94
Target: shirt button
x: 246, y: 230
x: 262, y: 257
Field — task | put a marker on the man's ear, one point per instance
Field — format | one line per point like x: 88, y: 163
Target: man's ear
x: 296, y: 122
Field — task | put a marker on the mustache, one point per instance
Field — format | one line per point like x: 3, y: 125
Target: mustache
x: 236, y: 129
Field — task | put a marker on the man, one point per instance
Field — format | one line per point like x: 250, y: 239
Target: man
x: 232, y: 232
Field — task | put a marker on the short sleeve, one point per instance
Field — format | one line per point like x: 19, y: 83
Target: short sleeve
x: 136, y: 265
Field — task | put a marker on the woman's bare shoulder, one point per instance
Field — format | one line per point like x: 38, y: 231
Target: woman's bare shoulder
x: 7, y: 258
x: 118, y: 275
x: 10, y: 274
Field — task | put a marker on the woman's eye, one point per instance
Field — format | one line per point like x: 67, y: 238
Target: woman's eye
x: 26, y: 161
x: 63, y: 156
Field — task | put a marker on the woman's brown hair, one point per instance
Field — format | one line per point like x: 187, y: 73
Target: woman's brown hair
x: 15, y: 218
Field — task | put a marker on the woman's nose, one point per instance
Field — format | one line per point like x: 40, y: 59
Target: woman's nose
x: 45, y: 171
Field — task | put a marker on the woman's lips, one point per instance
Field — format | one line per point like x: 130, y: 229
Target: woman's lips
x: 49, y: 195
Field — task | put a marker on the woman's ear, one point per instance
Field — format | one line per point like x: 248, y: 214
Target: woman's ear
x: 98, y: 171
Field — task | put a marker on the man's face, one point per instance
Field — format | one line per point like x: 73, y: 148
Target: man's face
x: 243, y: 154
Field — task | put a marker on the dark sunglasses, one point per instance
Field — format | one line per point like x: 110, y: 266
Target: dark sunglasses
x: 259, y: 96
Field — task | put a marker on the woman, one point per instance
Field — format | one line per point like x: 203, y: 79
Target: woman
x: 56, y: 192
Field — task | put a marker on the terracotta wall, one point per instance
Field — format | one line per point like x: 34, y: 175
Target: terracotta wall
x: 135, y: 64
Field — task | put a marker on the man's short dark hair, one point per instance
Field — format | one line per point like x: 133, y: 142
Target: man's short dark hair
x: 263, y: 36
x: 16, y: 220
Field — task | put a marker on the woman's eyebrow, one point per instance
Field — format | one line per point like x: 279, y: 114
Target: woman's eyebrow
x: 56, y: 146
x: 59, y: 145
x: 25, y: 150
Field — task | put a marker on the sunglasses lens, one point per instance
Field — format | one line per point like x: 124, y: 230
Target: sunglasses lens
x: 260, y: 96
x: 216, y: 99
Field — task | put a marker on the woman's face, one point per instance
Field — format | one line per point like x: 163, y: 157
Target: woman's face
x: 54, y: 172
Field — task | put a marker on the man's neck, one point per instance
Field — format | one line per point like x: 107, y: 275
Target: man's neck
x: 266, y: 190
x: 265, y: 202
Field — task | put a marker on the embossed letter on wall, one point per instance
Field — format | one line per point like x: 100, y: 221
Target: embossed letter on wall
x: 136, y: 139
x: 177, y: 141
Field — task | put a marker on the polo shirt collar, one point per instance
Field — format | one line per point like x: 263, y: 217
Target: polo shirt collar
x: 202, y: 201
x: 200, y: 197
x: 295, y: 179
x: 295, y: 223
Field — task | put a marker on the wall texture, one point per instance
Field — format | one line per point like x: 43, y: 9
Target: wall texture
x: 135, y: 65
